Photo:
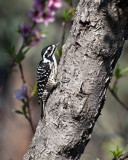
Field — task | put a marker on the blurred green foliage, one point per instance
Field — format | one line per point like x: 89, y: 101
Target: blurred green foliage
x: 117, y: 153
x: 12, y: 13
x: 68, y: 15
x: 34, y: 91
x: 120, y: 72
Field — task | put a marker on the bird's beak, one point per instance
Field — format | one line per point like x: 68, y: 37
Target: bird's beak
x: 57, y: 44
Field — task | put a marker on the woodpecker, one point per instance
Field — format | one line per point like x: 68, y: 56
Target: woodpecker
x: 46, y: 75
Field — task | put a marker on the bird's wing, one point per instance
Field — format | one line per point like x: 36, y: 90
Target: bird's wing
x: 43, y: 72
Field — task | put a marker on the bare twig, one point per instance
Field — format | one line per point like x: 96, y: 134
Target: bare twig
x: 29, y: 118
x: 21, y: 48
x: 63, y: 33
x: 118, y: 99
x: 115, y: 84
x: 21, y: 71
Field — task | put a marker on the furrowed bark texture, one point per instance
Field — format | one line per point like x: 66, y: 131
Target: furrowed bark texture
x: 89, y: 57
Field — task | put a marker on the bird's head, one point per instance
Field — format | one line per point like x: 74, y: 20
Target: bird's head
x: 49, y: 51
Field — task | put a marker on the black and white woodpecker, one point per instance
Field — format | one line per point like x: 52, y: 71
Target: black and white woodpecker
x: 46, y: 75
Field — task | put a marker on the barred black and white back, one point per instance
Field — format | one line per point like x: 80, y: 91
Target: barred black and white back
x: 46, y: 74
x: 43, y: 73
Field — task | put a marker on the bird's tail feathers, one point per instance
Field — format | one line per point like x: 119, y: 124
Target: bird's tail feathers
x: 42, y: 109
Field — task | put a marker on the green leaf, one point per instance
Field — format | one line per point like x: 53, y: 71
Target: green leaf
x: 124, y: 71
x: 121, y: 151
x: 120, y: 73
x: 26, y: 50
x: 24, y: 107
x: 115, y: 89
x: 34, y: 91
x: 59, y: 51
x: 19, y: 58
x: 12, y: 52
x: 68, y: 15
x: 21, y: 55
x: 17, y: 111
x: 64, y: 16
x: 117, y: 71
x: 114, y: 154
x: 97, y: 159
x: 70, y: 11
x: 117, y: 153
x: 69, y: 1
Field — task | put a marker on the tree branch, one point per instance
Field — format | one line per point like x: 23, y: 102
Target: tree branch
x: 118, y: 99
x: 28, y: 117
x: 87, y: 63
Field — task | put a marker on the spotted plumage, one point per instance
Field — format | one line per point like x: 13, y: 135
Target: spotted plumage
x: 46, y: 75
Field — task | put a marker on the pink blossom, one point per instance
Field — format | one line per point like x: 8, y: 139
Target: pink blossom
x: 54, y: 4
x: 36, y: 16
x: 48, y: 18
x: 37, y: 36
x: 40, y: 14
x: 31, y: 37
x: 20, y: 94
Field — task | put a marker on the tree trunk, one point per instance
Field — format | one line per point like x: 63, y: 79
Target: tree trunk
x: 89, y: 57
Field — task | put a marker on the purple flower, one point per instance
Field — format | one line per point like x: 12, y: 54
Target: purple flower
x: 36, y: 16
x: 39, y: 17
x: 21, y: 93
x: 48, y: 18
x: 31, y: 37
x: 40, y: 14
x: 25, y: 30
x: 39, y: 5
x: 36, y: 37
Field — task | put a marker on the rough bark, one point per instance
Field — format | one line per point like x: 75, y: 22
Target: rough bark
x: 89, y: 57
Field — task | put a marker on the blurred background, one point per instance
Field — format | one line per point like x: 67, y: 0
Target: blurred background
x: 111, y: 128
